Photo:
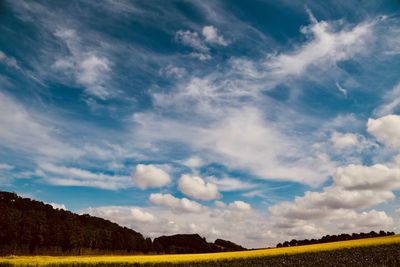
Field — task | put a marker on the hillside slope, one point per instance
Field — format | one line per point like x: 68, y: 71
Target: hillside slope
x: 33, y: 227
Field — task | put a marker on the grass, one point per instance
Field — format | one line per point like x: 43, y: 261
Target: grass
x: 386, y: 244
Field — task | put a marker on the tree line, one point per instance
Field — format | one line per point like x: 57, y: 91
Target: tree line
x: 33, y: 227
x: 333, y: 238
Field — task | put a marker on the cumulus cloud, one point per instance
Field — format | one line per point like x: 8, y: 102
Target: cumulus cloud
x: 211, y: 35
x: 344, y: 140
x: 336, y: 213
x: 376, y: 177
x: 141, y: 216
x: 70, y: 176
x: 335, y: 209
x: 193, y: 162
x: 133, y: 215
x: 176, y: 204
x: 236, y: 221
x: 319, y: 205
x: 146, y: 176
x: 241, y: 224
x: 240, y: 205
x: 346, y: 204
x: 386, y: 130
x: 197, y: 188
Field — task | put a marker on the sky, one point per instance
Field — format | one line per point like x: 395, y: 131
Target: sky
x: 252, y: 121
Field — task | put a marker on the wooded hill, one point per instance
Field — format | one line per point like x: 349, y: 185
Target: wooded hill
x: 33, y: 227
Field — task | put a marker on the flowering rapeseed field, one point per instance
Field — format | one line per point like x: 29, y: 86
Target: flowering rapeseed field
x: 194, y: 258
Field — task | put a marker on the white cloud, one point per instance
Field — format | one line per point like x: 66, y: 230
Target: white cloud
x: 376, y: 177
x: 335, y: 222
x: 319, y: 205
x: 240, y: 205
x: 326, y: 46
x: 242, y: 225
x: 133, y: 215
x: 193, y: 162
x: 8, y: 173
x: 174, y: 71
x: 391, y: 102
x: 201, y: 56
x: 211, y: 35
x: 232, y: 126
x: 344, y: 140
x: 335, y: 209
x: 141, y: 216
x: 234, y: 222
x: 255, y: 193
x: 146, y: 176
x: 6, y: 167
x: 176, y: 204
x: 332, y: 211
x: 343, y: 206
x: 230, y: 184
x: 89, y: 68
x: 192, y: 40
x: 386, y: 129
x: 58, y: 206
x: 22, y: 130
x: 8, y: 61
x: 219, y: 204
x: 341, y: 89
x: 242, y: 139
x: 70, y: 176
x: 92, y: 69
x: 197, y: 188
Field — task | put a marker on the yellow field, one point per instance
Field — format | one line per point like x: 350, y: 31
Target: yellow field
x: 44, y: 260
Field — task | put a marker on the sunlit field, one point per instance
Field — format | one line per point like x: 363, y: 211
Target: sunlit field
x: 203, y: 259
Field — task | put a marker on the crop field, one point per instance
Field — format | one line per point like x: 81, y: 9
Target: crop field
x: 381, y: 251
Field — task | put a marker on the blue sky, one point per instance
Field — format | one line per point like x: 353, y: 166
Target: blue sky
x: 253, y: 121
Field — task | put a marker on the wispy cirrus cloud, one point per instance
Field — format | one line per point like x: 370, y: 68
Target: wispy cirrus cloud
x: 21, y: 130
x: 71, y: 176
x: 88, y: 68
